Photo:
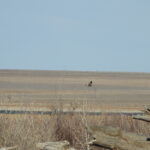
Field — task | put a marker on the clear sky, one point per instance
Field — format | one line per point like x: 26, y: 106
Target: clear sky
x: 86, y: 35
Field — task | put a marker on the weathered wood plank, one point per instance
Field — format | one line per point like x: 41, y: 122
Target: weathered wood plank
x: 61, y: 145
x: 145, y: 118
x: 115, y: 138
x: 147, y: 108
x: 9, y: 148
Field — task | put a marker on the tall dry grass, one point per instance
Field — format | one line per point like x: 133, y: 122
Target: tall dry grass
x: 27, y: 130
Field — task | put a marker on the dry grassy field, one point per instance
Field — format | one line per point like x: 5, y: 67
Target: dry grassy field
x: 63, y: 90
x: 51, y: 89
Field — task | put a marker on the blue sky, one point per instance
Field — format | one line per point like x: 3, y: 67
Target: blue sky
x: 86, y: 35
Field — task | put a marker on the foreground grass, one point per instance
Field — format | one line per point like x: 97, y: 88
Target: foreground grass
x: 27, y: 130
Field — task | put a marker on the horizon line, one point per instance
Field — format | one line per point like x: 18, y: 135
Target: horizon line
x: 98, y: 71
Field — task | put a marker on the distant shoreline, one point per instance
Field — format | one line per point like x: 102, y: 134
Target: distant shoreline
x: 70, y: 112
x: 73, y: 71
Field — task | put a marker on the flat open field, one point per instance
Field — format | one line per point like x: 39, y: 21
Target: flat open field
x: 68, y: 89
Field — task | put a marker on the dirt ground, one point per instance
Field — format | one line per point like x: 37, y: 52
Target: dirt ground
x: 70, y: 90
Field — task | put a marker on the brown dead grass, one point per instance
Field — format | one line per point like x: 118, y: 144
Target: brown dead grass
x: 110, y: 91
x: 125, y: 89
x: 27, y: 130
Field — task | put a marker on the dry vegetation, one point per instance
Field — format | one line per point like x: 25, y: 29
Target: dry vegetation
x: 111, y: 90
x: 27, y: 130
x: 68, y: 91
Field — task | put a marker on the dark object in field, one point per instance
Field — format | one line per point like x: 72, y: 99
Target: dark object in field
x: 90, y: 84
x: 148, y: 139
